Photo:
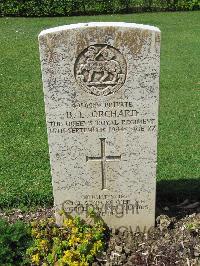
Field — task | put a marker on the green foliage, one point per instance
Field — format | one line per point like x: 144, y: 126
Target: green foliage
x: 76, y: 243
x: 77, y: 7
x: 14, y: 240
x: 193, y: 226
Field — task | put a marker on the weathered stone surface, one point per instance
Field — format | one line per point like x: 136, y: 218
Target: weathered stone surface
x: 101, y: 88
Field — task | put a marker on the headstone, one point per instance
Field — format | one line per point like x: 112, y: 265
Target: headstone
x: 101, y: 89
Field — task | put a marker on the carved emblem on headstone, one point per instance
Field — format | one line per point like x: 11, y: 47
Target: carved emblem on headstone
x: 100, y: 69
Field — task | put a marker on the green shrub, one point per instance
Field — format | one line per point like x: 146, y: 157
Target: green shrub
x: 76, y: 7
x: 75, y: 243
x: 14, y: 240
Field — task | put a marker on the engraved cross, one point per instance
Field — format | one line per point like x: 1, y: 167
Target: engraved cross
x: 103, y: 159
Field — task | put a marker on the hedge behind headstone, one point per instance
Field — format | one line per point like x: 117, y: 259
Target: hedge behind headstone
x: 86, y: 7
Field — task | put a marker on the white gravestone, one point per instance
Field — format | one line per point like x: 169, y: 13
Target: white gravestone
x: 101, y: 89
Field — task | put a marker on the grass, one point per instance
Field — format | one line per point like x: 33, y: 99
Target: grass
x: 25, y: 178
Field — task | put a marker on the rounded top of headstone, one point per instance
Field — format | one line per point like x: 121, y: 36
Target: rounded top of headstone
x: 99, y: 24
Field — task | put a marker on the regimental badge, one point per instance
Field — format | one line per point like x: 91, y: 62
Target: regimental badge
x: 100, y: 69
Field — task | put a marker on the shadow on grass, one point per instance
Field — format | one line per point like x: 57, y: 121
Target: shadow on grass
x: 176, y: 191
x: 178, y: 197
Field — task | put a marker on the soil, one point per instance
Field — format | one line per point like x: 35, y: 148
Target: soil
x: 174, y: 241
x: 171, y: 242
